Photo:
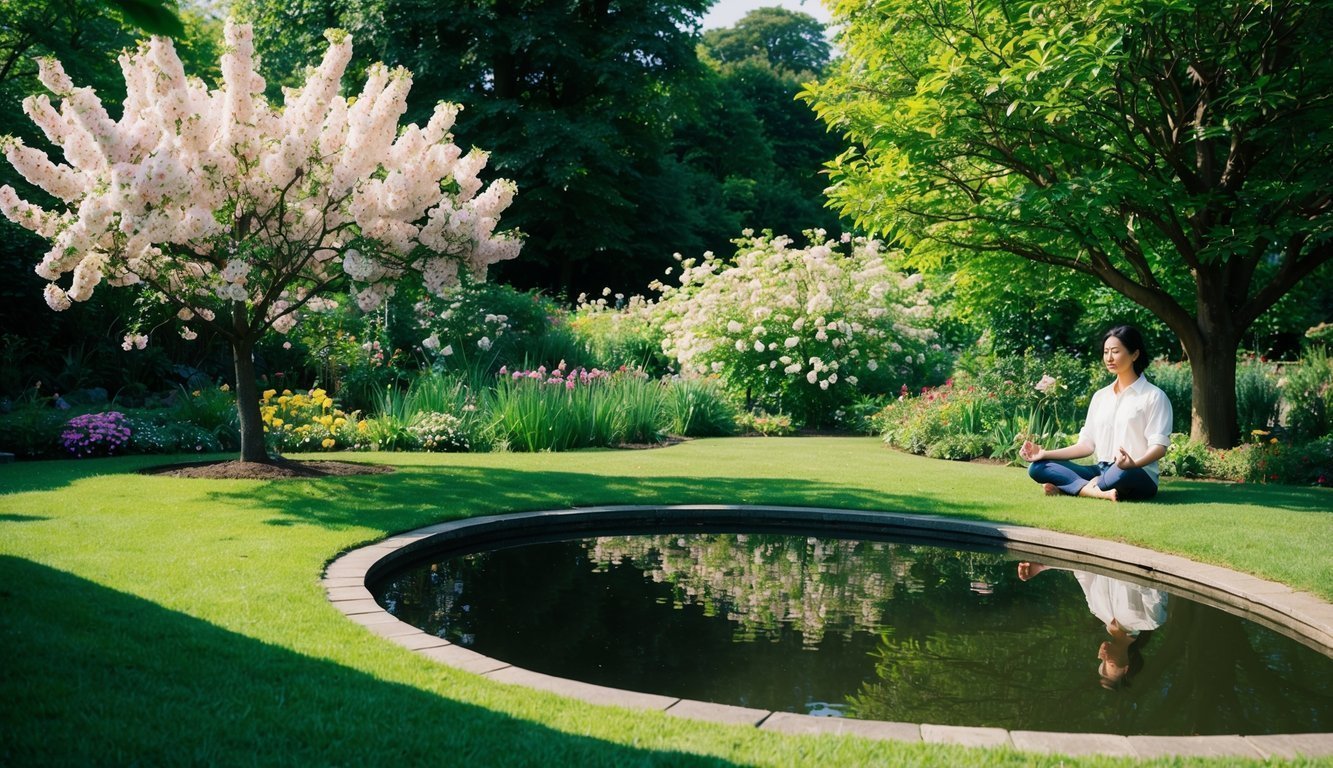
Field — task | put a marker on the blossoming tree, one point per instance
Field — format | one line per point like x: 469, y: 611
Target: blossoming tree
x: 238, y: 214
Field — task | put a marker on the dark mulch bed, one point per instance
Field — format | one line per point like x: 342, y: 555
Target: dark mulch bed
x: 275, y: 469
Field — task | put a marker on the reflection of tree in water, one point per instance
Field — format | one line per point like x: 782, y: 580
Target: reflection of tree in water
x: 764, y: 583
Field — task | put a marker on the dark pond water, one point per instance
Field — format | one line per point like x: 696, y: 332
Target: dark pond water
x: 869, y: 629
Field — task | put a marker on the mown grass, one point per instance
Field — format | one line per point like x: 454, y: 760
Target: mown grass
x: 162, y: 621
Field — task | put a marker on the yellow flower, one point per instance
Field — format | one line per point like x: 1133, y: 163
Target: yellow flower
x: 269, y: 393
x: 1274, y: 440
x: 338, y: 422
x: 317, y: 394
x: 286, y: 391
x: 277, y: 422
x: 328, y: 442
x: 196, y: 393
x: 225, y: 388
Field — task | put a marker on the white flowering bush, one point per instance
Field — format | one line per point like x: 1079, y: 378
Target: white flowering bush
x: 440, y: 432
x: 237, y: 214
x: 800, y: 331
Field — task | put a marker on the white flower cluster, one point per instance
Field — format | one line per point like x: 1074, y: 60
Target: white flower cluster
x: 782, y: 322
x: 217, y: 198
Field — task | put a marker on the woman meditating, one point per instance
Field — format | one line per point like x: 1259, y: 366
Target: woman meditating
x: 1127, y: 431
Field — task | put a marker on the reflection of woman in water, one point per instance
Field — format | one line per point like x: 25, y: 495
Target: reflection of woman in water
x: 1130, y: 613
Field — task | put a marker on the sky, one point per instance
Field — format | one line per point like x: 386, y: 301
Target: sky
x: 727, y: 12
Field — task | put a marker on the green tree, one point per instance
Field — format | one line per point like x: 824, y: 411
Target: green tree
x: 1179, y: 153
x: 789, y: 41
x: 748, y: 131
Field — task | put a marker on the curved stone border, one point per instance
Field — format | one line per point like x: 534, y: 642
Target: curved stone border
x: 1300, y: 615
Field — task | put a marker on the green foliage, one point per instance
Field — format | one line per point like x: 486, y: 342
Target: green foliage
x: 1257, y: 395
x: 158, y: 432
x: 1307, y: 388
x: 699, y: 407
x: 620, y: 334
x: 1177, y: 383
x: 1186, y: 458
x: 802, y: 331
x: 788, y: 41
x: 32, y: 429
x: 761, y: 422
x: 212, y: 410
x: 487, y: 326
x: 440, y: 432
x: 985, y: 135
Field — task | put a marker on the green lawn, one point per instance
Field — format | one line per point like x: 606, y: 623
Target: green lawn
x: 162, y: 621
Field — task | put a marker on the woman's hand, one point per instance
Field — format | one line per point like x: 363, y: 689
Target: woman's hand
x: 1031, y: 452
x: 1123, y: 460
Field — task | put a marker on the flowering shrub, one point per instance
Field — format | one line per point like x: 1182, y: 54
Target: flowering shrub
x: 766, y: 424
x: 439, y: 432
x: 800, y: 331
x: 622, y: 332
x: 96, y: 434
x: 305, y: 421
x: 485, y: 326
x: 165, y: 434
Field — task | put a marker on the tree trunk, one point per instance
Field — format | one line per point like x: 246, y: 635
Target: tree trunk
x: 247, y: 403
x: 1213, y: 367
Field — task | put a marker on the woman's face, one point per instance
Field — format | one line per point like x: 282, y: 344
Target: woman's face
x: 1116, y: 357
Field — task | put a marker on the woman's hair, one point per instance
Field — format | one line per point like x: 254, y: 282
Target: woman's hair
x: 1132, y: 341
x: 1135, y: 665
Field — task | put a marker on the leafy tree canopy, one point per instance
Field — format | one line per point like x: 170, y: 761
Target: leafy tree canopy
x: 1176, y: 152
x: 789, y: 41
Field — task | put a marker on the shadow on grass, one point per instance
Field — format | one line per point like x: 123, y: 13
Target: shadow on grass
x: 53, y: 474
x: 1293, y: 498
x: 22, y: 518
x: 412, y: 497
x: 95, y: 677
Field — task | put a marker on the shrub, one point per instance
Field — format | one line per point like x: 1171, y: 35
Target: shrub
x: 959, y: 447
x: 698, y: 408
x: 560, y: 409
x: 1186, y: 458
x: 766, y: 424
x: 304, y: 421
x: 486, y: 326
x: 1277, y: 462
x: 466, y: 398
x: 159, y: 433
x: 800, y: 331
x: 1177, y: 383
x: 96, y: 434
x: 32, y: 430
x: 212, y: 410
x: 1257, y: 395
x: 439, y: 432
x: 1307, y: 388
x: 620, y: 334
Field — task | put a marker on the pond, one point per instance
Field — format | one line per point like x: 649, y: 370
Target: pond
x: 869, y: 628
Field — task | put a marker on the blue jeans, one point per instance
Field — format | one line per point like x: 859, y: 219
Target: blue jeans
x: 1129, y: 484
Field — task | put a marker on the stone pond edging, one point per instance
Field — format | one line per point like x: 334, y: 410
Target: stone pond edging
x: 1300, y: 615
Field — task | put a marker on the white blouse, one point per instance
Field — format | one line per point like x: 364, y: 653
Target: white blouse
x: 1134, y: 607
x: 1136, y: 418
